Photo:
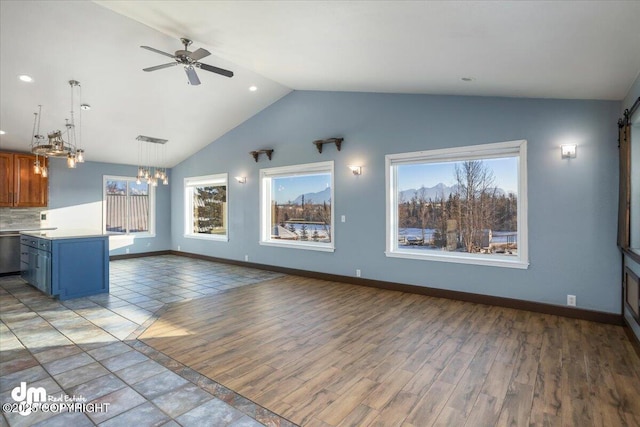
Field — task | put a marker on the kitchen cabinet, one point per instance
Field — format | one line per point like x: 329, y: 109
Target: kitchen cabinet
x: 35, y: 263
x: 19, y: 185
x: 65, y: 264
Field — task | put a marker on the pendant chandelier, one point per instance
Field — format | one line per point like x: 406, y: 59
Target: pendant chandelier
x: 55, y: 145
x: 151, y: 151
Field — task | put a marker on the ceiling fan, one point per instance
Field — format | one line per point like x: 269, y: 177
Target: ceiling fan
x: 189, y: 60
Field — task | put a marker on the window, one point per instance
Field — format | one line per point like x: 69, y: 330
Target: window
x: 465, y: 205
x: 128, y: 206
x: 206, y: 207
x: 296, y: 206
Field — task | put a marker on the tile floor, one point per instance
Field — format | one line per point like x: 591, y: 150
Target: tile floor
x: 87, y: 348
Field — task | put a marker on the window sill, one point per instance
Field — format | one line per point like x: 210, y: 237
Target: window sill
x: 461, y: 259
x: 214, y: 237
x: 130, y: 236
x: 304, y: 246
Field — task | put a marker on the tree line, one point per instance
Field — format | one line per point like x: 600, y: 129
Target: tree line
x: 475, y: 205
x: 208, y: 208
x: 305, y: 212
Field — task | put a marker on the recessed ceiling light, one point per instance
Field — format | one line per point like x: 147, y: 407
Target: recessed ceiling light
x: 25, y: 78
x: 2, y: 132
x: 253, y: 88
x: 467, y: 79
x: 85, y: 107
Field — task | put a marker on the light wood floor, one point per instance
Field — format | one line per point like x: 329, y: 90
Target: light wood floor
x: 331, y: 354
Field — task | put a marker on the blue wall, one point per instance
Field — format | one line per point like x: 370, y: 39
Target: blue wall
x: 75, y: 201
x: 572, y: 203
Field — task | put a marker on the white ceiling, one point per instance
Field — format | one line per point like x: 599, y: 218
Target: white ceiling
x: 554, y: 49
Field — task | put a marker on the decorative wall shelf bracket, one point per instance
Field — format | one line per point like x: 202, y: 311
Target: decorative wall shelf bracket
x: 256, y: 153
x: 319, y: 143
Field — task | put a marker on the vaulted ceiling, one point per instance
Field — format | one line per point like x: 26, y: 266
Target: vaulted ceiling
x: 577, y: 50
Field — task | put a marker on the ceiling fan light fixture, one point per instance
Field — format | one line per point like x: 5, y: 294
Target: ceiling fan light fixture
x: 189, y: 60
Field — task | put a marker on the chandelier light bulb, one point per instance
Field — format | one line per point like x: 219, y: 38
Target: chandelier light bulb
x: 71, y: 161
x: 165, y: 181
x: 45, y: 172
x: 80, y: 155
x: 36, y: 167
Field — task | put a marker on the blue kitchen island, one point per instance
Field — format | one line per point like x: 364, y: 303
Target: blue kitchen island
x: 65, y: 263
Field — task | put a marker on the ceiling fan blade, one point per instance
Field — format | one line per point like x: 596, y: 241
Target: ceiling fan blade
x: 216, y: 70
x: 159, y: 67
x: 158, y: 51
x: 192, y: 76
x: 199, y: 54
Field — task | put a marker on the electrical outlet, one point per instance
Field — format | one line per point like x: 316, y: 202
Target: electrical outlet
x: 126, y: 251
x: 571, y: 300
x: 358, y: 272
x: 178, y: 248
x: 343, y: 218
x: 246, y: 257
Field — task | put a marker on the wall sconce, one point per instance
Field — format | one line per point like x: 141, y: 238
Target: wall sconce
x: 241, y: 179
x: 357, y: 170
x: 568, y: 151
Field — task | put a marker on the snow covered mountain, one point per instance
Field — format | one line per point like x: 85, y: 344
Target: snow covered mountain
x: 315, y: 198
x: 436, y: 192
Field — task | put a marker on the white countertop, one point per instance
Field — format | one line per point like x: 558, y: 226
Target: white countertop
x: 19, y: 229
x: 65, y: 234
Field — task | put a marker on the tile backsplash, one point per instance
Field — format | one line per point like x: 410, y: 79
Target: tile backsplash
x: 16, y: 218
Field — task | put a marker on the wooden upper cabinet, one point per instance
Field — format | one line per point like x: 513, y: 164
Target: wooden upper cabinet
x: 31, y: 190
x: 6, y: 179
x: 20, y: 187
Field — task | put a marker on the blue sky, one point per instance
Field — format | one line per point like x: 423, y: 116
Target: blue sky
x: 120, y: 187
x: 288, y: 188
x: 505, y: 171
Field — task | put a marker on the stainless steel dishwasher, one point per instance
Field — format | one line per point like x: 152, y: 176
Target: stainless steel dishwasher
x: 9, y: 252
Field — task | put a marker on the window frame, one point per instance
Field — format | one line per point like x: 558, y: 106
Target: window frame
x: 189, y: 184
x: 634, y: 183
x: 516, y: 148
x: 265, y: 176
x: 152, y: 209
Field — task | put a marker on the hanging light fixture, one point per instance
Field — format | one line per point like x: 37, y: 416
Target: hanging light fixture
x: 149, y: 154
x: 55, y: 145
